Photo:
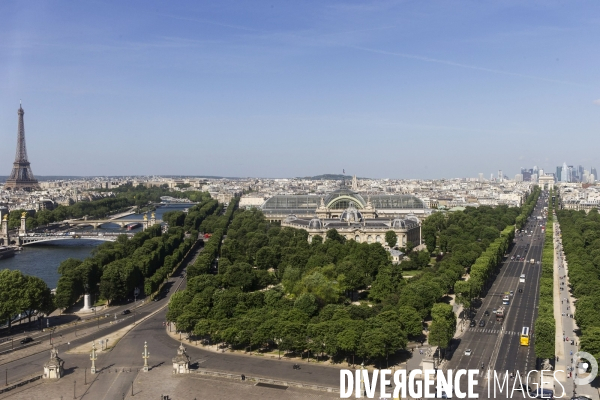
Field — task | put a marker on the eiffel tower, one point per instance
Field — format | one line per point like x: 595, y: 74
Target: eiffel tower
x: 21, y: 177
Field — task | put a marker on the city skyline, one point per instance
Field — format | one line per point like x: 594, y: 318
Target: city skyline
x: 428, y: 90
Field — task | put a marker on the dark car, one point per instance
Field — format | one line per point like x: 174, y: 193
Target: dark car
x: 482, y: 323
x: 26, y: 340
x: 125, y: 312
x: 542, y: 394
x: 486, y: 313
x: 472, y: 323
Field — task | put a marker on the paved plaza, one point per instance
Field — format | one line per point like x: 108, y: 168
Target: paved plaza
x: 151, y: 385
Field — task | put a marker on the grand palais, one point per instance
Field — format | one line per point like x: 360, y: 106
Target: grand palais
x: 351, y: 215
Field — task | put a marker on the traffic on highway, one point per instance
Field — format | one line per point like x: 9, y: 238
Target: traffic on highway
x: 500, y: 334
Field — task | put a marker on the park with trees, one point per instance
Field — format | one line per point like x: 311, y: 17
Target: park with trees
x: 266, y: 287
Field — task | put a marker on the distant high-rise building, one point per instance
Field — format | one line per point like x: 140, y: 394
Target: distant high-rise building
x: 579, y: 173
x: 481, y: 177
x: 593, y: 172
x: 519, y: 177
x: 21, y: 177
x: 540, y: 172
x: 558, y: 174
x: 564, y: 176
x: 500, y: 175
x: 571, y: 173
x: 526, y: 174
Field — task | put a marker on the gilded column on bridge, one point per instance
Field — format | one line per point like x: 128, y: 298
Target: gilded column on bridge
x: 4, y: 231
x: 23, y: 230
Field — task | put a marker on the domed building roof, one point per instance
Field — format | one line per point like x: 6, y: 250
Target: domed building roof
x: 412, y: 217
x: 398, y: 224
x: 351, y: 214
x: 315, y: 223
x: 290, y: 218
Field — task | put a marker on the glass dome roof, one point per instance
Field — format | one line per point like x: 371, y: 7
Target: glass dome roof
x: 344, y: 197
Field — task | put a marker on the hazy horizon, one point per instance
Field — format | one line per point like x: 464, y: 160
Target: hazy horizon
x: 396, y: 89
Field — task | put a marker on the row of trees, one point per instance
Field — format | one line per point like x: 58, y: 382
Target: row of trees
x: 115, y: 269
x: 309, y: 308
x: 141, y: 195
x: 23, y: 294
x: 485, y: 266
x: 581, y: 243
x: 78, y: 277
x: 209, y: 254
x: 545, y: 324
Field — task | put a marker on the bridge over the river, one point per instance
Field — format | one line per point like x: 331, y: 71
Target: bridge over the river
x: 24, y: 238
x: 122, y: 222
x: 31, y: 238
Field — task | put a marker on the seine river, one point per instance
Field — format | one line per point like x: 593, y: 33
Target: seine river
x: 43, y: 260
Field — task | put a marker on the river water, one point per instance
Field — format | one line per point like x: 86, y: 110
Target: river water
x: 42, y: 260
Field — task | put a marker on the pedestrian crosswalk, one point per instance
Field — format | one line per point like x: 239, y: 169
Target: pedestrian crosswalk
x: 496, y: 331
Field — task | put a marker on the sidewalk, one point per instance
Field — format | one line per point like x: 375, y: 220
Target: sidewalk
x: 564, y: 309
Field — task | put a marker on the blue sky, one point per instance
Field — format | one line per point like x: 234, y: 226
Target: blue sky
x: 387, y: 89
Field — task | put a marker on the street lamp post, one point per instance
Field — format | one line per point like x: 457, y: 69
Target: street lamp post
x: 145, y: 356
x: 278, y: 342
x: 93, y: 358
x: 74, y: 388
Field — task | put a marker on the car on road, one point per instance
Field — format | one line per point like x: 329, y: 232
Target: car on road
x: 472, y: 323
x: 125, y: 312
x: 494, y: 311
x: 26, y: 340
x: 482, y: 323
x: 512, y: 293
x: 467, y: 352
x: 486, y: 313
x: 542, y: 394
